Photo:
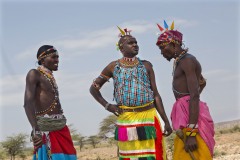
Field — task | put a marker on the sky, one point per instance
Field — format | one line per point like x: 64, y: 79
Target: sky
x: 85, y: 34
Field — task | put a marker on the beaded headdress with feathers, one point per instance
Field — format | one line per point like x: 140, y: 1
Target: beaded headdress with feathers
x: 123, y: 33
x: 169, y: 35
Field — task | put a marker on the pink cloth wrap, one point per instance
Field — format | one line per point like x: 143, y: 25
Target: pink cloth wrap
x: 180, y: 119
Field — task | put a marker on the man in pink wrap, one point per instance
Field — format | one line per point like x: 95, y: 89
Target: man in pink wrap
x: 190, y: 116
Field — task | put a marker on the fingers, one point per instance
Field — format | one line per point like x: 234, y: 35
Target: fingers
x: 167, y: 131
x: 120, y: 111
x: 37, y: 144
x: 117, y: 111
x: 37, y: 141
x: 190, y: 147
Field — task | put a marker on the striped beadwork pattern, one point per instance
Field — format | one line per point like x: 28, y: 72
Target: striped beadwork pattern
x: 140, y: 158
x: 139, y: 136
x: 124, y: 133
x: 132, y: 85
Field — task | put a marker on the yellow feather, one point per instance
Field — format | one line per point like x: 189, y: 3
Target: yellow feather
x: 172, y: 26
x: 122, y: 32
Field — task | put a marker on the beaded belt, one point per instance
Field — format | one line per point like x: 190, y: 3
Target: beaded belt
x: 139, y: 109
x: 51, y: 123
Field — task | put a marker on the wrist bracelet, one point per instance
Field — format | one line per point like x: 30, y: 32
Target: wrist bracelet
x: 106, y: 106
x: 192, y: 125
x: 195, y: 130
x: 191, y: 134
x: 38, y: 132
x: 34, y: 132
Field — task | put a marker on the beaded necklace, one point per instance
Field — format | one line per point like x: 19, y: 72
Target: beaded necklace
x: 49, y: 76
x: 177, y: 59
x: 129, y: 62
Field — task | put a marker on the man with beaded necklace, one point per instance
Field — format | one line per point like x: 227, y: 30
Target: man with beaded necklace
x: 50, y: 135
x: 138, y: 129
x: 190, y: 117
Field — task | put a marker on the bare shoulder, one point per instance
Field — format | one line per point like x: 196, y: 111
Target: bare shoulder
x: 147, y: 63
x: 190, y: 64
x: 112, y: 64
x: 189, y: 59
x: 108, y: 70
x: 33, y: 74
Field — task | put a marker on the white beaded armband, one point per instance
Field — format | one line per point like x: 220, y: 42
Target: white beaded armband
x: 192, y: 125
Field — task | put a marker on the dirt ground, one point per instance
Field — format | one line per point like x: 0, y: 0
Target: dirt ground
x: 227, y: 148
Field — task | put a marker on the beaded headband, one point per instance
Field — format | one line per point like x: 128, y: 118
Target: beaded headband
x: 47, y: 53
x: 123, y: 32
x: 168, y: 36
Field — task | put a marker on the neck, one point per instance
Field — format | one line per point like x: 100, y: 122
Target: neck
x: 45, y: 69
x: 177, y: 55
x: 129, y: 59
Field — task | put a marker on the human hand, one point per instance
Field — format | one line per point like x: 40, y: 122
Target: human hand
x: 114, y: 109
x: 190, y: 144
x: 37, y: 140
x: 167, y: 129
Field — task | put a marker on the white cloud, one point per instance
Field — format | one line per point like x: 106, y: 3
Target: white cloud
x: 90, y: 40
x: 86, y: 41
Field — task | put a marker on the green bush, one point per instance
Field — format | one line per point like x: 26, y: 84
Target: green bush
x: 234, y: 129
x: 216, y: 153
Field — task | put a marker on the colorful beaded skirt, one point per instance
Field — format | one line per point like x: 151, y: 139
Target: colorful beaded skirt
x: 139, y: 135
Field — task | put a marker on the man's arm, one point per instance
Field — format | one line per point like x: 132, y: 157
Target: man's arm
x: 189, y: 67
x: 32, y: 80
x: 157, y: 99
x: 98, y: 83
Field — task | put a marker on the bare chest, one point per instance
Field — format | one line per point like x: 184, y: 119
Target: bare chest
x: 178, y: 74
x: 47, y: 85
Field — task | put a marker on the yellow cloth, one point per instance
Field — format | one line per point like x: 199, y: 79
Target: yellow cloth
x: 202, y: 153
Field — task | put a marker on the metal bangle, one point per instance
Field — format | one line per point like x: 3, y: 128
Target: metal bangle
x: 106, y: 106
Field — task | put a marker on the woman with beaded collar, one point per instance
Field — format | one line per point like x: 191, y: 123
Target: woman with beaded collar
x: 189, y: 116
x: 138, y: 130
x: 44, y: 112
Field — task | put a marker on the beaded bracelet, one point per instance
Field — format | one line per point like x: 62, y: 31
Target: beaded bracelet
x: 192, y: 130
x: 191, y: 134
x: 192, y: 125
x: 104, y: 76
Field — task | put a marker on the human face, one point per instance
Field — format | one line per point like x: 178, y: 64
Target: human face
x: 51, y: 62
x: 167, y: 51
x: 130, y: 47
